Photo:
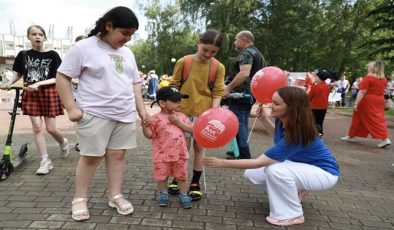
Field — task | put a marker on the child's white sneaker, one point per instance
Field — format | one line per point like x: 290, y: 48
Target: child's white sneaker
x: 45, y: 167
x: 64, y: 149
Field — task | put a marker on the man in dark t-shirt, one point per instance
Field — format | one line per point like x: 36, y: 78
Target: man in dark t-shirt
x: 249, y: 61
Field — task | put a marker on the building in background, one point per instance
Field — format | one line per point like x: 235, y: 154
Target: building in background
x: 11, y: 44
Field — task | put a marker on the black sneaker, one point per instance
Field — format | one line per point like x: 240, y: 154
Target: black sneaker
x: 195, y: 192
x: 173, y: 188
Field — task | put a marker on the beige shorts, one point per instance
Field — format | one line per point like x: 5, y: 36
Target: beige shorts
x: 95, y: 135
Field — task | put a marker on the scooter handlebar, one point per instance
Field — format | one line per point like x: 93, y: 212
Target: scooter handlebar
x: 17, y: 87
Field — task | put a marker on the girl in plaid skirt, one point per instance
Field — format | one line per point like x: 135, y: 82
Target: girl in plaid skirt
x: 38, y: 69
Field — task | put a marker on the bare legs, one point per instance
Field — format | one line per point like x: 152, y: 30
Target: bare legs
x: 198, y: 154
x: 87, y: 165
x: 38, y: 132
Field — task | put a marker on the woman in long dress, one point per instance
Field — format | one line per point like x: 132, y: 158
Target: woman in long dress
x: 368, y: 116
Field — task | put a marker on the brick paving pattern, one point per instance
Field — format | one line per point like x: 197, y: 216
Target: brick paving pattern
x: 362, y: 199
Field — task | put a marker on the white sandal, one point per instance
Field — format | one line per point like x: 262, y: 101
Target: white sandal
x: 125, y: 209
x: 81, y: 214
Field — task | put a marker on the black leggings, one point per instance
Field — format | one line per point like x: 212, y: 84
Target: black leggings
x: 319, y: 115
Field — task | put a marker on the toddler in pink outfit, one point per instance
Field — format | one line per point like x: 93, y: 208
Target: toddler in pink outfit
x: 169, y: 148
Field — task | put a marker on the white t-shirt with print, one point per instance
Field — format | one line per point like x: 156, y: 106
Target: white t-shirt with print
x: 106, y: 77
x: 343, y: 83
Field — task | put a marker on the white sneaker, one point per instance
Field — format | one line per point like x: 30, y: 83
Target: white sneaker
x: 64, y: 150
x: 45, y: 167
x: 347, y: 138
x: 384, y: 143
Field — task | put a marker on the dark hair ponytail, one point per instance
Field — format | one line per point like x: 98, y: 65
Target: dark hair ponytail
x: 212, y: 37
x: 121, y: 17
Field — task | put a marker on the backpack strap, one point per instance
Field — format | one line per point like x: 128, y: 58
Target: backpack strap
x: 188, y: 61
x: 212, y: 70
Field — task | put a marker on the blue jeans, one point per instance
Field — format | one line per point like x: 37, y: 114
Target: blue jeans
x: 242, y: 111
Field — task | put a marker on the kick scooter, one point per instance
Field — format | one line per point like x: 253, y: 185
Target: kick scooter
x: 8, y: 161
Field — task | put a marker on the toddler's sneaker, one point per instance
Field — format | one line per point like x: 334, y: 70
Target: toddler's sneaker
x: 186, y: 201
x: 173, y: 188
x: 195, y: 192
x: 163, y: 199
x: 45, y: 167
x: 64, y: 150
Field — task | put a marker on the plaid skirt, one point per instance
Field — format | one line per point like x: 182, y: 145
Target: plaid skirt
x: 44, y: 102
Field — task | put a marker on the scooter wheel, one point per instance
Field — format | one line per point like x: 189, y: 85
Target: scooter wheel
x: 5, y: 169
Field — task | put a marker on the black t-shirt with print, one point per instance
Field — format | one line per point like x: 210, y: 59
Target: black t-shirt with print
x: 39, y: 66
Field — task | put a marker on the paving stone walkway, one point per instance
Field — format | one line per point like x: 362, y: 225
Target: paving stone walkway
x: 362, y: 199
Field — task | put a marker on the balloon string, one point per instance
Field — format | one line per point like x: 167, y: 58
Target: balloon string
x: 251, y: 130
x: 203, y: 174
x: 254, y: 122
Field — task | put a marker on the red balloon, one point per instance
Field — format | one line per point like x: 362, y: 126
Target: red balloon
x: 266, y: 81
x: 215, y: 128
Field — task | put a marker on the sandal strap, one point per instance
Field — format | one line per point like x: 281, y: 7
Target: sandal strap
x: 124, y: 207
x: 194, y: 192
x: 116, y: 197
x: 194, y: 187
x: 79, y: 200
x: 84, y: 212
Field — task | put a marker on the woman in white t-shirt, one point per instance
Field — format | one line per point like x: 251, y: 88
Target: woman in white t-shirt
x: 354, y: 91
x: 343, y: 87
x: 109, y: 95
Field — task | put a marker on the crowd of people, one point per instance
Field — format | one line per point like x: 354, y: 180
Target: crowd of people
x: 343, y: 93
x: 151, y: 83
x: 110, y: 95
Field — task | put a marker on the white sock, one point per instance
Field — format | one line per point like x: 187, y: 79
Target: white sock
x: 44, y: 157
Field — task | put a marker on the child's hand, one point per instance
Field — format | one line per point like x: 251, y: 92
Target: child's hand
x: 146, y: 120
x: 212, y: 162
x: 75, y: 114
x: 145, y: 124
x: 173, y: 119
x: 33, y: 87
x: 3, y: 86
